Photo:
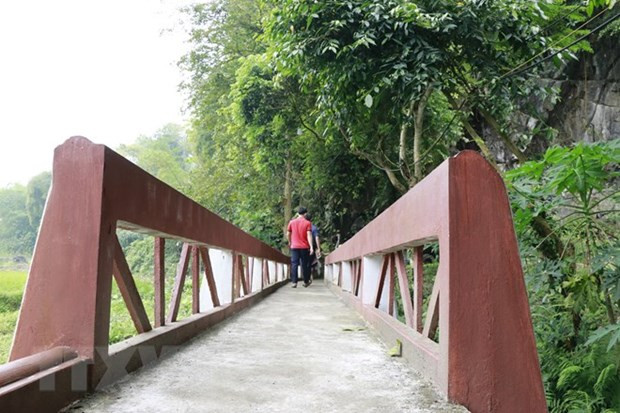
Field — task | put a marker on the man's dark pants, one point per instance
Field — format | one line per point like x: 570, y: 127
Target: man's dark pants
x: 300, y: 256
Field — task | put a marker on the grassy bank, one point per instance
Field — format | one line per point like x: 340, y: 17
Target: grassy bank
x: 12, y: 285
x: 11, y: 289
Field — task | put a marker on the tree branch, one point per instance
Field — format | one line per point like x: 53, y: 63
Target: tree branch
x: 377, y: 163
x: 514, y: 149
x: 417, y: 133
x: 474, y: 135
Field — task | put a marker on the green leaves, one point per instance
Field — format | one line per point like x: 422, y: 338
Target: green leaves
x: 166, y: 155
x: 583, y: 169
x: 607, y: 386
x: 582, y: 293
x: 21, y: 209
x: 592, y: 4
x: 572, y: 268
x: 565, y: 175
x: 36, y: 195
x: 570, y: 377
x: 610, y: 332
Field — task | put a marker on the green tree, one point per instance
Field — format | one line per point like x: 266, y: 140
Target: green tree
x: 16, y: 234
x: 36, y: 195
x: 165, y: 155
x: 21, y: 209
x: 261, y: 142
x: 384, y: 69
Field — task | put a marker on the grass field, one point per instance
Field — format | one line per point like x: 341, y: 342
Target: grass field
x: 11, y: 289
x: 12, y: 285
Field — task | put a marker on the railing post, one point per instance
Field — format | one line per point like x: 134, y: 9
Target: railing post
x: 195, y: 280
x: 159, y: 282
x: 418, y: 287
x: 79, y: 266
x: 211, y: 284
x: 179, y: 282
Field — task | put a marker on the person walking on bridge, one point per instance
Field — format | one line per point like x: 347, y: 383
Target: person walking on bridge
x: 299, y: 236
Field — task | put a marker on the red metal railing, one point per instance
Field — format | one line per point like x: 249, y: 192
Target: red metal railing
x: 27, y: 366
x: 476, y: 341
x: 67, y: 298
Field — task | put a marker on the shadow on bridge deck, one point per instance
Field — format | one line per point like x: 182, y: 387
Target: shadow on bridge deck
x: 298, y: 350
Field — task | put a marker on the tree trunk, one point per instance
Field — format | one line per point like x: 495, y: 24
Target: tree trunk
x: 417, y: 143
x: 481, y: 144
x: 394, y: 181
x: 609, y: 305
x: 505, y: 138
x: 402, y: 146
x: 472, y: 132
x: 417, y: 136
x: 288, y: 196
x: 377, y: 163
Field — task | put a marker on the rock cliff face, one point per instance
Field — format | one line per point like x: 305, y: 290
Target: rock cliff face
x: 587, y: 108
x: 589, y: 105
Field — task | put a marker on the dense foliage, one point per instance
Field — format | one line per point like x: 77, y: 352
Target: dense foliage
x: 21, y: 209
x: 261, y: 145
x: 568, y: 221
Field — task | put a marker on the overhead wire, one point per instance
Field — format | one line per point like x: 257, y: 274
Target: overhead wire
x: 521, y: 69
x: 553, y: 44
x: 555, y: 21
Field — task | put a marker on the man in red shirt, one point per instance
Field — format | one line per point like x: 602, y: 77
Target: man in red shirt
x: 299, y: 235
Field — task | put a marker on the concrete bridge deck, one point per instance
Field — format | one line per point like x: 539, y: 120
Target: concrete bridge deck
x: 299, y: 350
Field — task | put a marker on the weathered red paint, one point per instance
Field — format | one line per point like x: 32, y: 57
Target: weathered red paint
x: 432, y: 316
x: 19, y: 369
x: 403, y: 283
x: 382, y: 277
x: 206, y: 260
x: 358, y: 277
x: 26, y: 395
x: 248, y: 277
x: 487, y: 359
x: 179, y: 283
x: 241, y: 276
x: 159, y: 281
x: 360, y: 264
x: 195, y: 281
x: 129, y: 291
x: 418, y: 288
x: 391, y: 284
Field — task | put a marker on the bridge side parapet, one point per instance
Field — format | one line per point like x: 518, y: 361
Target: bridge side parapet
x: 471, y: 333
x: 77, y: 255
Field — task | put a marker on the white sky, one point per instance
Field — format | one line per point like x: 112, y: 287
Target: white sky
x: 101, y: 69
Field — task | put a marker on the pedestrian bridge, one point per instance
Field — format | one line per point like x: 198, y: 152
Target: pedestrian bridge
x: 461, y: 335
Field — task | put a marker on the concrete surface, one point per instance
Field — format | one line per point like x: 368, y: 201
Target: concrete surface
x: 299, y: 350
